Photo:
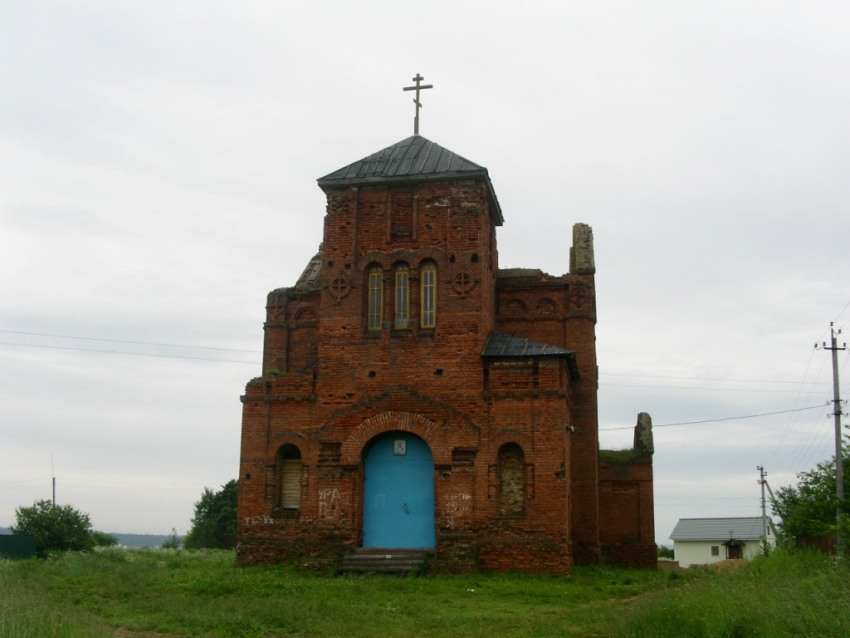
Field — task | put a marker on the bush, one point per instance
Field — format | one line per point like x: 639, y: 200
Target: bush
x: 56, y: 528
x: 102, y: 539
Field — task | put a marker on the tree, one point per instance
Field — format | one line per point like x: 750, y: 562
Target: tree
x: 172, y: 542
x: 809, y: 508
x: 214, y: 522
x: 102, y: 539
x: 55, y: 527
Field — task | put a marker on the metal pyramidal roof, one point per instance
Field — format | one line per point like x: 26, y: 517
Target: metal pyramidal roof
x: 409, y: 158
x: 415, y: 159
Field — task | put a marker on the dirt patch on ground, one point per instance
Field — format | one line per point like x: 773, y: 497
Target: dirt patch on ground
x: 730, y: 564
x: 123, y: 633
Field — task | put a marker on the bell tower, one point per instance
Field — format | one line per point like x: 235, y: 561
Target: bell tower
x: 408, y: 263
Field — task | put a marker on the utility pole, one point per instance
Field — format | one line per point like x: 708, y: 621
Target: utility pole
x: 53, y: 473
x: 763, y: 482
x: 839, y: 456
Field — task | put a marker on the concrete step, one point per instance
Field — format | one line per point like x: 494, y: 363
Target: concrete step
x: 382, y: 561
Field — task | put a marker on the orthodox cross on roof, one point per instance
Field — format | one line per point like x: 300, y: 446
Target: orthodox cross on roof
x: 416, y: 101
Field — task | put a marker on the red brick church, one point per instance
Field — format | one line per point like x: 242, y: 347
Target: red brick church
x: 415, y: 396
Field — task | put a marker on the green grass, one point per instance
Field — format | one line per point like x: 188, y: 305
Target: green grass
x: 204, y: 594
x: 798, y: 594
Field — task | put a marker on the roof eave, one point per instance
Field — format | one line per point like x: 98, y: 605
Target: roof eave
x: 328, y: 185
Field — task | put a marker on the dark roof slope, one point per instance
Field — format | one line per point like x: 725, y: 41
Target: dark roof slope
x: 504, y: 346
x: 310, y: 278
x: 411, y: 160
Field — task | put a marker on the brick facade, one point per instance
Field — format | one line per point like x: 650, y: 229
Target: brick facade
x: 501, y: 385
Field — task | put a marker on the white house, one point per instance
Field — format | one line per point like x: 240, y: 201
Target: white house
x: 702, y: 541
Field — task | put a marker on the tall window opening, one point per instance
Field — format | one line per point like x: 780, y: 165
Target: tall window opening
x: 511, y: 480
x: 289, y: 464
x: 402, y: 296
x: 428, y: 306
x: 376, y: 298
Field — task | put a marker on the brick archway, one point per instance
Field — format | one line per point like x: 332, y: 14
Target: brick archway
x: 384, y: 422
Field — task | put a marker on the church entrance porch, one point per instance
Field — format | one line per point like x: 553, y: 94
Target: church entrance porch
x: 398, y: 493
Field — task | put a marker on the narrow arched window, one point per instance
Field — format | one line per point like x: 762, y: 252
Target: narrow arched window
x: 402, y: 296
x: 289, y: 465
x: 511, y: 479
x: 428, y: 293
x: 376, y: 298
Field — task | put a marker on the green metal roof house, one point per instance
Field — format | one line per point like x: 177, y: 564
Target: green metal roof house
x: 702, y: 541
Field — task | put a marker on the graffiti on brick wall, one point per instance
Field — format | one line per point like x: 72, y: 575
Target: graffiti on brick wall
x: 253, y: 521
x: 455, y: 508
x: 330, y: 503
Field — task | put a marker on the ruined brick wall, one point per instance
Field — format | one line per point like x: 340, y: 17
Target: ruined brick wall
x: 626, y: 506
x: 561, y: 311
x: 291, y: 330
x: 524, y: 519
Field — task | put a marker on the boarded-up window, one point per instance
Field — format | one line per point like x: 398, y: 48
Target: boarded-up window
x: 511, y: 479
x: 289, y: 462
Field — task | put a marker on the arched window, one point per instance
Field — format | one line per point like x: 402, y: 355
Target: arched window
x: 511, y: 479
x: 376, y: 298
x: 402, y: 296
x: 428, y: 293
x: 289, y: 471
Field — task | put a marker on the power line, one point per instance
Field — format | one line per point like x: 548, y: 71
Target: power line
x: 841, y: 313
x: 141, y: 343
x: 135, y: 354
x: 729, y: 418
x: 172, y: 485
x: 790, y: 422
x: 817, y: 446
x: 677, y: 377
x: 602, y: 384
x: 737, y: 380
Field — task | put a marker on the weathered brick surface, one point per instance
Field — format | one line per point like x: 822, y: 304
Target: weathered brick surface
x: 330, y: 386
x: 627, y: 520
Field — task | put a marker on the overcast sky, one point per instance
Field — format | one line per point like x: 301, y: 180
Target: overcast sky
x: 157, y: 178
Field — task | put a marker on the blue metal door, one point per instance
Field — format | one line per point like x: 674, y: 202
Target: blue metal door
x: 398, y: 493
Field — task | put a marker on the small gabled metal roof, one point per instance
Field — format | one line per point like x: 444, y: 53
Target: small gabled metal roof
x: 748, y: 528
x: 414, y: 159
x: 504, y: 346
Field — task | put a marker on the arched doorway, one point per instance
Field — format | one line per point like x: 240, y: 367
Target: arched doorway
x: 398, y: 493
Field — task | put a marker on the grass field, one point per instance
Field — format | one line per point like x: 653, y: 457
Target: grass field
x: 145, y: 593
